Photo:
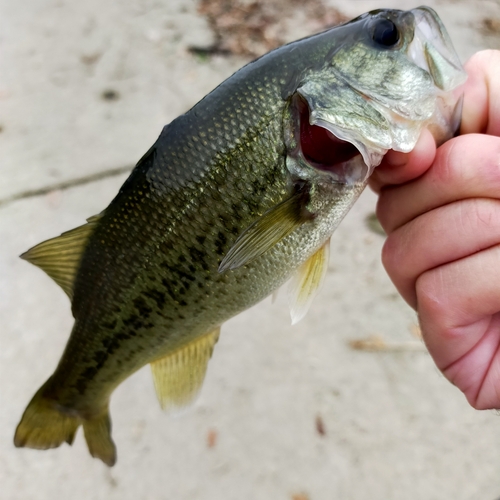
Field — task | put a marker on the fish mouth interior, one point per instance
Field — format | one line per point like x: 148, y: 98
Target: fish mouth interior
x: 324, y: 151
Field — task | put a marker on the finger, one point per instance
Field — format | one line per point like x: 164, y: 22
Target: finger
x: 465, y: 167
x: 438, y: 237
x: 481, y: 109
x: 477, y: 373
x: 457, y: 306
x: 457, y: 295
x: 397, y: 167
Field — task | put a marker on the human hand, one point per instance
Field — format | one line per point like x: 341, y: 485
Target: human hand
x: 441, y: 211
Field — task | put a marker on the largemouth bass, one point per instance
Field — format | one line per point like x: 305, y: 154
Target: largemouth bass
x: 236, y: 197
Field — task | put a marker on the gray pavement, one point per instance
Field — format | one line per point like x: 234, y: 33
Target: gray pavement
x: 285, y: 413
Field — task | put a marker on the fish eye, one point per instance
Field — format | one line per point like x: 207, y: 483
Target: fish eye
x: 385, y: 32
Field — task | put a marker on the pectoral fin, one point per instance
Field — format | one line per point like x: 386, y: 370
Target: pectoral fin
x: 306, y: 282
x: 274, y: 225
x: 60, y: 257
x: 179, y: 375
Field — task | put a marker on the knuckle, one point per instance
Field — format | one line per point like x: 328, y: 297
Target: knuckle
x: 391, y: 255
x: 476, y: 403
x: 489, y: 158
x: 449, y: 158
x: 383, y: 211
x: 481, y: 213
x: 432, y: 302
x: 478, y: 398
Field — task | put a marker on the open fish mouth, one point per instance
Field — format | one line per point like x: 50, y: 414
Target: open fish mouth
x: 325, y: 150
x: 348, y: 121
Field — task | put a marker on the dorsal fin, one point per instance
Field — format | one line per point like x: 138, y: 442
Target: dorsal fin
x: 306, y: 282
x: 60, y: 257
x: 178, y: 376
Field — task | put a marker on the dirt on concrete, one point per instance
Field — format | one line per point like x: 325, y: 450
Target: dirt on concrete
x: 253, y: 28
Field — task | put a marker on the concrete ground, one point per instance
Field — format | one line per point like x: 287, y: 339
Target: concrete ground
x: 285, y: 413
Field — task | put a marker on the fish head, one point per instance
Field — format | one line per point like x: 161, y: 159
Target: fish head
x: 385, y: 76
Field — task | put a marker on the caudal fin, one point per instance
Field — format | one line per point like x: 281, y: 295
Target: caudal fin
x: 97, y: 432
x: 44, y: 425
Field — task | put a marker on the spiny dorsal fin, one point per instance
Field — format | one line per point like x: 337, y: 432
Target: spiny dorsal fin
x: 277, y: 223
x: 178, y: 376
x: 306, y: 282
x: 60, y: 257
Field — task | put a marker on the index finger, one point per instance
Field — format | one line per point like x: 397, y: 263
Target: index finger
x: 481, y: 109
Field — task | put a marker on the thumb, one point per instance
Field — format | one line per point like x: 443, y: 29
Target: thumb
x: 398, y: 168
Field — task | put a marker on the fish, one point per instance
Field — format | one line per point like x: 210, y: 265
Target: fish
x: 237, y: 197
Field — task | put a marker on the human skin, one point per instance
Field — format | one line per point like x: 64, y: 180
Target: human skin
x: 441, y: 211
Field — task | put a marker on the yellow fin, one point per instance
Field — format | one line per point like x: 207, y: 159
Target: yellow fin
x: 179, y: 375
x: 306, y: 282
x: 97, y: 432
x: 274, y: 225
x: 44, y: 426
x: 60, y: 257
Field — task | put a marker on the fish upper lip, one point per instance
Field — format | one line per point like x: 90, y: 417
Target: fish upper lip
x: 431, y: 41
x: 430, y: 18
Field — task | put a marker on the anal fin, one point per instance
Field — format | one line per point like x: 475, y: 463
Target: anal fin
x: 178, y: 376
x: 306, y: 282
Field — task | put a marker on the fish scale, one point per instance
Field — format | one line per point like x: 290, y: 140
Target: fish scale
x: 225, y: 207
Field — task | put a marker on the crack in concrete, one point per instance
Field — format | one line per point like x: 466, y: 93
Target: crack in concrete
x: 80, y: 181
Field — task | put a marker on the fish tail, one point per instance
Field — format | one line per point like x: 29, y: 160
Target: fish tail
x: 97, y: 432
x: 45, y: 425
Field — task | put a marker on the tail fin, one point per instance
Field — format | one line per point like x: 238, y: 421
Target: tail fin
x: 44, y: 425
x: 97, y: 432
